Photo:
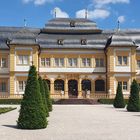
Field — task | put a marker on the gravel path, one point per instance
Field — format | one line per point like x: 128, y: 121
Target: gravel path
x: 77, y: 122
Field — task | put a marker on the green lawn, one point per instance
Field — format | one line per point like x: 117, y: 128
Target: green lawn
x: 6, y: 109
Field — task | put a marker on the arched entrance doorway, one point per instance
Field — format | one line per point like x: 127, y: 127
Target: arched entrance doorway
x: 73, y: 88
x: 86, y: 87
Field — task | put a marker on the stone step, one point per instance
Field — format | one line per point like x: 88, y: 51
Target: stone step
x: 76, y: 101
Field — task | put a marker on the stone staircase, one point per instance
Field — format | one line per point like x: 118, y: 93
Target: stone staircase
x: 74, y: 101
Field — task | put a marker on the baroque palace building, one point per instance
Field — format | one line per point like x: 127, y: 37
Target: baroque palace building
x: 76, y: 58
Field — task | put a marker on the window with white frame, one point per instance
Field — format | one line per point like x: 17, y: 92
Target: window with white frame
x: 45, y: 62
x: 138, y: 64
x: 122, y: 60
x: 99, y: 62
x: 72, y: 62
x: 124, y: 85
x: 22, y: 85
x: 59, y: 62
x: 86, y: 62
x: 3, y: 62
x: 23, y: 59
x: 3, y: 86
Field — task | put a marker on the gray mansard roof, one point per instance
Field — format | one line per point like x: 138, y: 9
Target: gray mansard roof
x: 61, y: 29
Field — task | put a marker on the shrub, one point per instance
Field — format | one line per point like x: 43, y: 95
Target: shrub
x: 133, y: 102
x: 42, y: 91
x: 47, y: 95
x: 32, y: 113
x: 109, y: 101
x: 119, y: 100
x: 10, y: 101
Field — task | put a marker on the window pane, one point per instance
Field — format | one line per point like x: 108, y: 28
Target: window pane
x: 25, y: 59
x: 70, y: 61
x: 61, y: 63
x: 56, y: 62
x: 120, y: 60
x: 88, y: 62
x: 99, y: 85
x: 124, y: 85
x: 59, y: 85
x: 83, y: 61
x: 101, y: 63
x: 22, y: 85
x: 97, y: 62
x: 3, y: 62
x: 75, y: 62
x: 125, y: 60
x: 3, y: 87
x: 20, y: 59
x: 138, y: 64
x: 43, y: 62
x: 47, y: 62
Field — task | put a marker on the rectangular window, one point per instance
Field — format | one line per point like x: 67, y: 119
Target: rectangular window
x: 23, y: 59
x: 122, y: 60
x: 22, y: 85
x: 45, y: 62
x: 125, y: 60
x: 138, y: 64
x: 72, y: 62
x: 99, y: 62
x: 119, y: 60
x: 59, y: 62
x: 123, y: 85
x: 3, y: 87
x: 3, y: 62
x: 86, y: 62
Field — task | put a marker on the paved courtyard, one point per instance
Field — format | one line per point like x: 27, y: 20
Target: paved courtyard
x: 77, y: 122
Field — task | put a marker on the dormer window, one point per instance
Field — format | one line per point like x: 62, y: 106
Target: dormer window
x: 60, y: 42
x: 72, y: 24
x: 83, y: 42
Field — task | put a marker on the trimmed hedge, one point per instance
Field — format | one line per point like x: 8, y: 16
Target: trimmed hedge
x: 10, y: 101
x: 15, y: 101
x: 6, y: 109
x: 109, y: 101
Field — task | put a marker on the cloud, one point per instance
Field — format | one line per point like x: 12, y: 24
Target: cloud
x: 93, y: 14
x: 101, y: 3
x: 39, y: 2
x: 121, y: 19
x: 59, y: 13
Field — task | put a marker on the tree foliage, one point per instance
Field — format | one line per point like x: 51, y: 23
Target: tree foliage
x: 47, y: 95
x: 42, y: 91
x: 133, y: 102
x: 119, y: 100
x: 32, y: 113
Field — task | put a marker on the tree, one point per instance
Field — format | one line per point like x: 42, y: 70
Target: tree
x: 119, y: 100
x: 42, y: 91
x: 32, y: 113
x: 133, y: 102
x: 47, y: 95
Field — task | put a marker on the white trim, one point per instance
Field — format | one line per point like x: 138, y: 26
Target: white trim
x: 21, y: 48
x: 21, y: 74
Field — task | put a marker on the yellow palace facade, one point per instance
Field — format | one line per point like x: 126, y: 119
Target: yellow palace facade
x: 77, y: 59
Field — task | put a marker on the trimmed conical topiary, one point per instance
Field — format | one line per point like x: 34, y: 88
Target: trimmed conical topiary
x: 47, y: 95
x: 42, y: 91
x: 133, y: 102
x: 32, y: 113
x: 119, y: 100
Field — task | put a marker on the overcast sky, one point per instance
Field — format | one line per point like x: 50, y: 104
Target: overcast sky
x: 37, y: 12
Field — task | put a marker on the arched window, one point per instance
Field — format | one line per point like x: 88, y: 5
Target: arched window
x: 48, y: 82
x: 59, y: 85
x: 99, y: 85
x: 86, y: 85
